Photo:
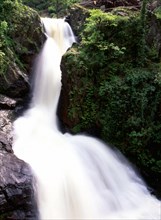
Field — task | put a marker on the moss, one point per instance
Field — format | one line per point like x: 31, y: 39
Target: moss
x: 22, y: 36
x: 157, y: 13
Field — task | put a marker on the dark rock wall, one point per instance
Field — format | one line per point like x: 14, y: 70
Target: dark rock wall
x: 17, y: 200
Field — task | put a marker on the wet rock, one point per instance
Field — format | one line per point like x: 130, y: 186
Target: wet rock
x: 77, y: 17
x: 5, y: 144
x: 15, y: 83
x: 17, y: 199
x: 6, y: 102
x: 6, y: 119
x: 25, y: 34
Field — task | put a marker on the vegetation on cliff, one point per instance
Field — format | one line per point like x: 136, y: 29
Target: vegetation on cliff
x: 20, y: 39
x: 114, y: 80
x: 53, y: 8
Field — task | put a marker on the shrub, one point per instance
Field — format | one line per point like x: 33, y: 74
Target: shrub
x: 113, y: 92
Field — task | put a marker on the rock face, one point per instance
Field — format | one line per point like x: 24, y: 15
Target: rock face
x: 107, y: 5
x: 154, y: 36
x: 77, y: 17
x: 17, y: 199
x: 25, y: 37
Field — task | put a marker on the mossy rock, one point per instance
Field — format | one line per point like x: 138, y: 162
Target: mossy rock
x: 22, y: 41
x: 157, y: 12
x: 78, y: 15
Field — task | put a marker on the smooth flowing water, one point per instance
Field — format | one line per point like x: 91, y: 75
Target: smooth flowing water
x: 78, y: 177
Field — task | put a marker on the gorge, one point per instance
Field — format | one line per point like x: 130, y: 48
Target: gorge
x: 77, y: 176
x: 112, y: 93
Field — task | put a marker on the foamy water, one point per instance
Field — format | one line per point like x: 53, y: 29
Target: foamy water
x: 78, y: 177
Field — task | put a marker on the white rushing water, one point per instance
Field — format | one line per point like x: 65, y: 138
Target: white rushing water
x: 78, y: 177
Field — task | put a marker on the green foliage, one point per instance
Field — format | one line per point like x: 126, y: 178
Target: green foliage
x: 120, y: 41
x: 96, y: 40
x: 3, y: 43
x: 15, y: 20
x: 114, y: 92
x: 55, y: 8
x: 158, y: 12
x: 6, y: 9
x: 59, y: 8
x: 37, y: 4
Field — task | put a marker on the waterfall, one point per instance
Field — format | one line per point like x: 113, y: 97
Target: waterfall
x: 77, y: 176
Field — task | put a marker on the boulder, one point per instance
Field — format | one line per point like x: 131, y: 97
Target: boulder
x: 17, y: 199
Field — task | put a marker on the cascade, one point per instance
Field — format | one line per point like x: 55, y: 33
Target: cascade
x: 77, y: 176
